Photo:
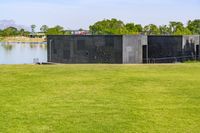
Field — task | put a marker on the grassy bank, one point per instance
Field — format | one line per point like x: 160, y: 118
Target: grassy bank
x: 1, y: 39
x: 100, y: 98
x: 21, y: 39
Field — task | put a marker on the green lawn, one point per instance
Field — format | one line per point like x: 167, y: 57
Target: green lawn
x: 100, y: 98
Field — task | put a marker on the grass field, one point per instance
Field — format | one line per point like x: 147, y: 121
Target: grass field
x: 100, y: 98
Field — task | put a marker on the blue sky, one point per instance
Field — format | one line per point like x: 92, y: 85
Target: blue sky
x: 75, y: 14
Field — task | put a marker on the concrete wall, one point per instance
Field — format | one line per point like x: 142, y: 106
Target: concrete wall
x: 190, y: 45
x: 133, y: 48
x: 85, y: 49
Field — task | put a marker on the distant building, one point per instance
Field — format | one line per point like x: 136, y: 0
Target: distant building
x: 37, y: 35
x: 79, y: 32
x: 122, y: 49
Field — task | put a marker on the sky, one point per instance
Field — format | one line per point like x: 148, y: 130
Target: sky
x: 75, y: 14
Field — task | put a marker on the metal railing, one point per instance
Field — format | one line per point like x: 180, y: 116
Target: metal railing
x: 171, y: 59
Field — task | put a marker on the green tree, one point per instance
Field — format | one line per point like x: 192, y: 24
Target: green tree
x: 107, y: 26
x: 22, y: 32
x: 133, y: 29
x: 1, y: 32
x: 33, y: 28
x: 26, y: 33
x: 151, y: 29
x: 184, y: 31
x: 194, y: 26
x: 177, y: 28
x: 130, y: 27
x: 57, y: 30
x: 67, y: 32
x: 164, y: 30
x: 10, y: 31
x: 139, y: 28
x: 44, y: 28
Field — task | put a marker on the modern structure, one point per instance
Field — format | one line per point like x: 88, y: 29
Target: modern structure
x: 122, y: 49
x: 112, y: 49
x: 167, y: 49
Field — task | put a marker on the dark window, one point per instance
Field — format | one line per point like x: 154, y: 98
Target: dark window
x: 81, y: 45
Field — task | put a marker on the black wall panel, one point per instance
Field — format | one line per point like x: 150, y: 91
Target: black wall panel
x: 85, y: 49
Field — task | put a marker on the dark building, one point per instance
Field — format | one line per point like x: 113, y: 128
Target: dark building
x: 122, y: 49
x: 163, y: 49
x: 112, y: 49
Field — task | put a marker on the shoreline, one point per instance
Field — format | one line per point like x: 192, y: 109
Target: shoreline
x: 21, y: 39
x: 3, y: 42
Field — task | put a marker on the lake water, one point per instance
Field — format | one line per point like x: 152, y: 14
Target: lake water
x: 22, y: 53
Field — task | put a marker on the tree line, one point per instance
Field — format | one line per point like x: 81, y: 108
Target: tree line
x: 56, y: 30
x: 12, y: 31
x: 113, y: 27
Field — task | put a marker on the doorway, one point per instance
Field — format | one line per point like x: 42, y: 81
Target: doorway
x: 197, y: 52
x: 145, y: 53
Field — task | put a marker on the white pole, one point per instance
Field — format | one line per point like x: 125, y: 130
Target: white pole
x: 50, y: 49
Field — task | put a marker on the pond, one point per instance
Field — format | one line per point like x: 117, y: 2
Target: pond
x: 22, y: 53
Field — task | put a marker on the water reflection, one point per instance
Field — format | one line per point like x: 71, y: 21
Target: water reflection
x: 22, y: 53
x: 33, y: 45
x: 43, y: 46
x: 7, y: 47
